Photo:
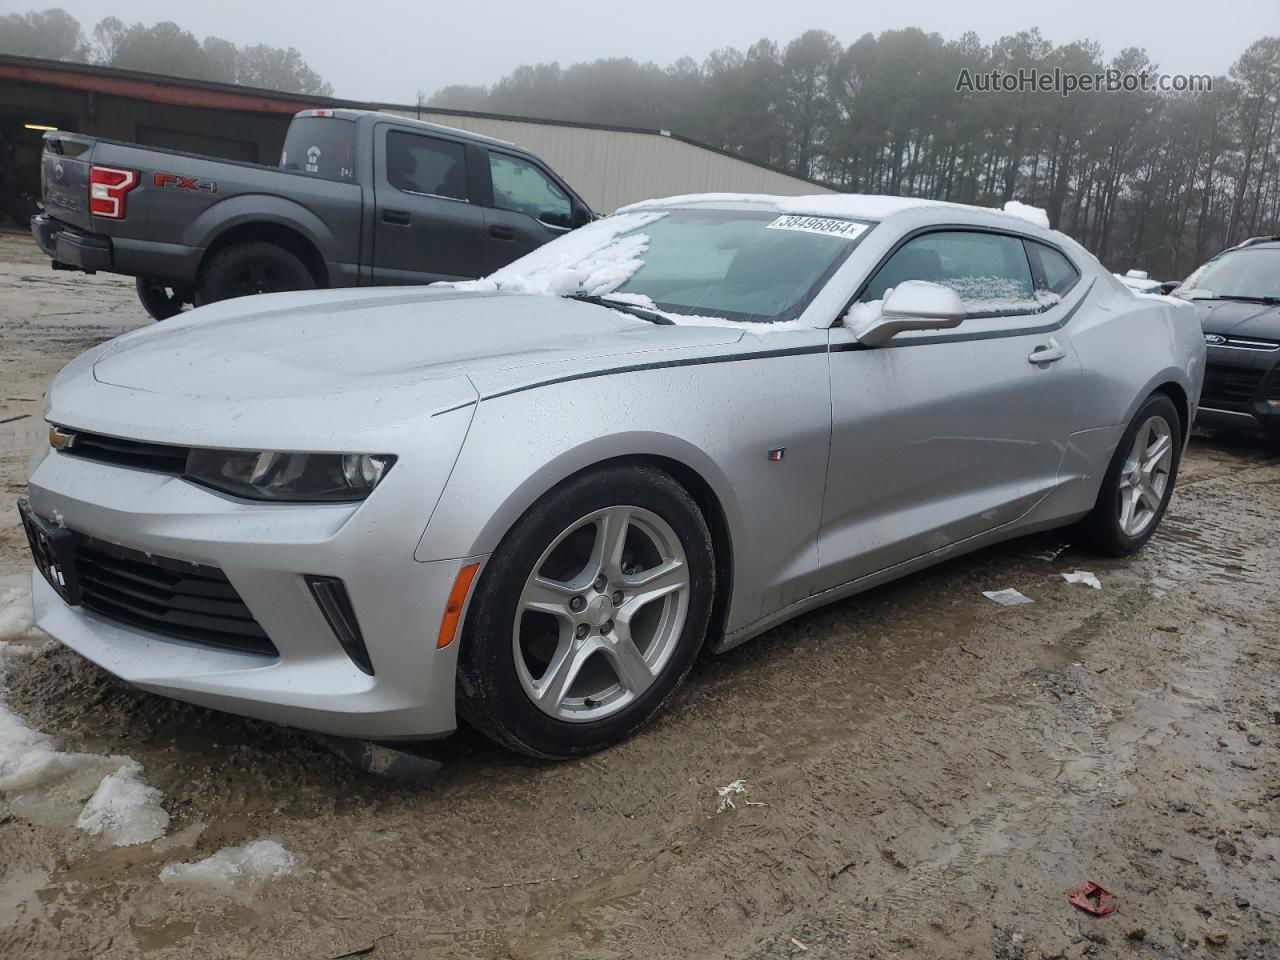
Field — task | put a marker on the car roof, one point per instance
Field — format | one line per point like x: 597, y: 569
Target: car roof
x: 343, y: 113
x: 855, y: 206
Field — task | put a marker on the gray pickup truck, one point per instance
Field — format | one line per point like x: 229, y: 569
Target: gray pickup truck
x: 359, y: 198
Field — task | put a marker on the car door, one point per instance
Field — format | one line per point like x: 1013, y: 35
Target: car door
x: 939, y: 436
x: 528, y: 209
x: 425, y: 226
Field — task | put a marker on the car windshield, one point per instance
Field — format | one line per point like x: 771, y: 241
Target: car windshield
x: 746, y: 266
x: 1252, y: 274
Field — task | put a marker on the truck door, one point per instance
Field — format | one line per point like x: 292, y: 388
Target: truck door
x: 528, y: 209
x: 426, y: 227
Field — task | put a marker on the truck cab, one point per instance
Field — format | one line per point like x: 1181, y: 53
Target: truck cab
x: 359, y: 198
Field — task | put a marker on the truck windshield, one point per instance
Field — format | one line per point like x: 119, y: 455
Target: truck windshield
x: 321, y: 146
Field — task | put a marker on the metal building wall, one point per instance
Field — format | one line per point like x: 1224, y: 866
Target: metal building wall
x: 614, y: 167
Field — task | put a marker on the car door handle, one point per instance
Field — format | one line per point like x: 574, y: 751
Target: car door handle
x: 499, y: 232
x: 1047, y: 353
x: 400, y: 217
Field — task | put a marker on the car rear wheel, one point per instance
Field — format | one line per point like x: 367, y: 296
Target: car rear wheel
x: 1139, y: 481
x: 588, y: 615
x: 248, y: 268
x: 160, y: 299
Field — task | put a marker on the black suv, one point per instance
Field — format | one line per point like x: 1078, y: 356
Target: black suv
x: 1238, y: 295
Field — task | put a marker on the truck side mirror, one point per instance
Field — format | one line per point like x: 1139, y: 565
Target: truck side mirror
x: 582, y: 215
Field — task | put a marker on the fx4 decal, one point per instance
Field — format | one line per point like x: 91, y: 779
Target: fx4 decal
x: 176, y: 181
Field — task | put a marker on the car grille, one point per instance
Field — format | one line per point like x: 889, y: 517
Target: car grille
x: 162, y: 457
x: 171, y: 597
x: 1231, y: 387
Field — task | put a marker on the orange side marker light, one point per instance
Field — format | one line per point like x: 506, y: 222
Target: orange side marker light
x: 457, y: 600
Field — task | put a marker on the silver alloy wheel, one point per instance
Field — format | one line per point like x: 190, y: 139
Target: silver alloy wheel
x: 1145, y: 476
x: 601, y: 613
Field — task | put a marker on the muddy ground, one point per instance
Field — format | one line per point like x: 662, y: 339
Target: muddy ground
x: 927, y: 773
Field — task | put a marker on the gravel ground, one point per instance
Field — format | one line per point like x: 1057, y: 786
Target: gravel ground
x: 926, y: 773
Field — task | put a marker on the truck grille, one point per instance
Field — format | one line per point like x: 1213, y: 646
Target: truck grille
x: 139, y: 454
x: 1229, y: 387
x: 171, y: 597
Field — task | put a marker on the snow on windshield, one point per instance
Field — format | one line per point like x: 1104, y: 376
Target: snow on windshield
x: 593, y: 260
x: 600, y: 258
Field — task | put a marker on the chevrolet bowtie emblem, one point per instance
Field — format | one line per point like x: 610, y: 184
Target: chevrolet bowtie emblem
x: 61, y: 439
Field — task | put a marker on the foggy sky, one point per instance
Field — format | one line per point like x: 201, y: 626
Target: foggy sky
x: 387, y: 50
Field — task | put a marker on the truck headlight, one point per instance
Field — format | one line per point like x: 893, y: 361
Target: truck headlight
x: 289, y: 477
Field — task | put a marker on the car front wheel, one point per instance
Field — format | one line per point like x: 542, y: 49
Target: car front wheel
x: 589, y: 614
x: 1139, y: 480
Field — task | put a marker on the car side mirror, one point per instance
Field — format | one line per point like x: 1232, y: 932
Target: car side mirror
x: 1169, y: 286
x: 914, y: 305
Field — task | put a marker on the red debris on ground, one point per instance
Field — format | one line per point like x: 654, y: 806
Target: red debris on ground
x: 1092, y: 898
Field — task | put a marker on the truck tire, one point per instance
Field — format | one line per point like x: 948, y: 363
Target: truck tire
x: 248, y: 268
x: 160, y: 299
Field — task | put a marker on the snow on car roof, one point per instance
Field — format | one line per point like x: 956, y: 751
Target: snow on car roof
x: 857, y: 206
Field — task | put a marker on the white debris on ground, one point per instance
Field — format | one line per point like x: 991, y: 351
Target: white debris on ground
x: 124, y: 810
x: 46, y: 785
x: 1008, y: 597
x: 1083, y: 576
x: 252, y: 863
x: 727, y: 792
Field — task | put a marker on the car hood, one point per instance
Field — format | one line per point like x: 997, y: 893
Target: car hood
x: 1232, y: 318
x: 293, y: 345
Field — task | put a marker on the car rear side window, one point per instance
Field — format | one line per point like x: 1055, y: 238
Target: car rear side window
x: 1055, y: 272
x: 989, y: 271
x: 427, y: 165
x: 521, y: 187
x: 321, y: 146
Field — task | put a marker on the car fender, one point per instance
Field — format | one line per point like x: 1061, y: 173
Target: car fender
x: 524, y: 481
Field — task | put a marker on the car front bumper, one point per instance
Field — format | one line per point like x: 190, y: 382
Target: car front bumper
x: 1243, y: 382
x: 265, y: 550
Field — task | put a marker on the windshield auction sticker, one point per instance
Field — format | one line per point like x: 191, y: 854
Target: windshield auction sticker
x: 831, y: 228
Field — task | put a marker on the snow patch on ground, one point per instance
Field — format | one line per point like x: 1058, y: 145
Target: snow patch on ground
x: 46, y: 785
x: 17, y: 622
x: 251, y: 863
x: 124, y: 810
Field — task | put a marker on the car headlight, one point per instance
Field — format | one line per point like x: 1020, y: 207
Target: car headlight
x: 289, y: 477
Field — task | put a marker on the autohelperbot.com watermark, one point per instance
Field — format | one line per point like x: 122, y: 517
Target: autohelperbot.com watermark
x: 1065, y: 83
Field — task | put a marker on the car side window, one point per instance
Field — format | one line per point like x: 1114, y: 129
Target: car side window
x: 521, y: 187
x: 427, y: 165
x: 1055, y: 272
x: 989, y: 271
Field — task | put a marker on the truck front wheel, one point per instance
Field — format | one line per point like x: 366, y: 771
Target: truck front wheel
x: 248, y: 268
x: 161, y: 299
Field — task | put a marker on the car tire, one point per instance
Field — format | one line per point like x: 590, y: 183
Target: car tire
x: 248, y: 268
x: 566, y: 683
x: 1140, y: 474
x: 160, y: 299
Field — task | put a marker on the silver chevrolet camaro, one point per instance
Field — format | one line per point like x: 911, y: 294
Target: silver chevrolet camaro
x: 534, y: 499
